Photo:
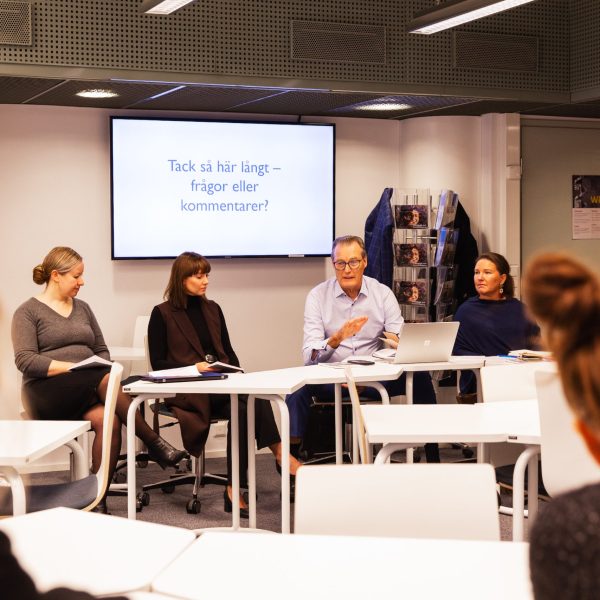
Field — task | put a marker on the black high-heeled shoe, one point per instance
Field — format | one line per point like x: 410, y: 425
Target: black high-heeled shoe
x: 161, y: 452
x: 228, y: 506
x: 292, y: 483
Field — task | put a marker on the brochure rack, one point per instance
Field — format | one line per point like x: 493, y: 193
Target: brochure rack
x: 424, y: 247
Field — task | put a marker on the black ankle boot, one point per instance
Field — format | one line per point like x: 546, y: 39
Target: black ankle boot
x: 164, y: 454
x: 228, y: 506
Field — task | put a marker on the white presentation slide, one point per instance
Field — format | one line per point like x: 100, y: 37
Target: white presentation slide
x: 221, y: 188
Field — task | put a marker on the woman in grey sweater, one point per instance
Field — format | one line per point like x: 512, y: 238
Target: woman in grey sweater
x: 51, y: 333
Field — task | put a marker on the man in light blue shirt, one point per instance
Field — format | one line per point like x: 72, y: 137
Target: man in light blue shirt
x: 344, y: 316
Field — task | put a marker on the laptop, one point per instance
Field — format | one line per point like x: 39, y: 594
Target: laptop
x: 423, y: 343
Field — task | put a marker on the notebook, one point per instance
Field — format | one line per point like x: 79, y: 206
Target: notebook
x: 204, y: 376
x: 422, y: 343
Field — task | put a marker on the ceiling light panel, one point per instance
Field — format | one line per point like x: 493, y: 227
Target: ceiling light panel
x: 457, y: 12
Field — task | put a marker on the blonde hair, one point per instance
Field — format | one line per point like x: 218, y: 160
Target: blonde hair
x: 564, y: 295
x: 61, y: 259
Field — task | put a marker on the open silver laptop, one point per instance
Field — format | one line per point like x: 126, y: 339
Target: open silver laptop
x: 423, y: 343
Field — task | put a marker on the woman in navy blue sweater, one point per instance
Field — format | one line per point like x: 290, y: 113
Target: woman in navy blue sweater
x: 493, y: 322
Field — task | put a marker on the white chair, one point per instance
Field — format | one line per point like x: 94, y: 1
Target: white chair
x: 566, y: 461
x: 417, y: 501
x: 501, y: 383
x: 83, y: 493
x: 509, y: 382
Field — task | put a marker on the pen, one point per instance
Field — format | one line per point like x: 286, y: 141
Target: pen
x: 508, y: 356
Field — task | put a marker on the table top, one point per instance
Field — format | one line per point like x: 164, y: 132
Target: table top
x: 347, y: 567
x: 286, y: 381
x: 277, y: 382
x: 22, y: 442
x: 483, y: 422
x: 100, y: 554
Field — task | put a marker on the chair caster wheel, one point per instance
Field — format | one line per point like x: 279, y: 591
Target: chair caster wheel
x: 142, y: 464
x: 138, y: 505
x: 193, y: 507
x: 119, y: 477
x: 467, y: 453
x: 144, y: 498
x: 168, y: 489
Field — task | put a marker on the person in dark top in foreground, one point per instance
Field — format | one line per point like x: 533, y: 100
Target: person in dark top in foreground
x: 493, y: 322
x: 564, y: 296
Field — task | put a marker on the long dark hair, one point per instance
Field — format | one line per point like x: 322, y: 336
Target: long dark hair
x: 184, y: 266
x: 508, y: 287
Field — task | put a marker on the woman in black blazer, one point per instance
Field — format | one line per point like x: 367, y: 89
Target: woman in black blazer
x: 189, y: 329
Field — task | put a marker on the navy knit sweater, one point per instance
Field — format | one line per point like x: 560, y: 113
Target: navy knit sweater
x: 492, y: 327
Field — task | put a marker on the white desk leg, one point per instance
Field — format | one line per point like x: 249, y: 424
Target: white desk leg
x: 519, y: 492
x: 79, y: 459
x: 284, y: 421
x: 18, y: 489
x: 131, y: 477
x: 532, y: 489
x: 235, y: 462
x: 338, y: 424
x: 251, y: 462
x: 409, y: 400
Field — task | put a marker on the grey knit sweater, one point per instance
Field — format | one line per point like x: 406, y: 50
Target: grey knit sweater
x: 40, y: 335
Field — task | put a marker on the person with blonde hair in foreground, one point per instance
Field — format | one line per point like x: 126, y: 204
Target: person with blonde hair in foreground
x: 564, y: 296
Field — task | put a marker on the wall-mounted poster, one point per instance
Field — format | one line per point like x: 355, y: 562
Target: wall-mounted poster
x: 586, y: 207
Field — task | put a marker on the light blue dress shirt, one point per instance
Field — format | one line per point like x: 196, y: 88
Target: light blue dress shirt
x: 328, y: 307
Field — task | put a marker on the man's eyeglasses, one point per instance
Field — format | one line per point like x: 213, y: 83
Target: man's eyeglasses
x: 353, y: 263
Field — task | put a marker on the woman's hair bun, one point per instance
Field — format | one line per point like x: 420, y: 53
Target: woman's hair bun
x: 39, y: 275
x: 562, y: 292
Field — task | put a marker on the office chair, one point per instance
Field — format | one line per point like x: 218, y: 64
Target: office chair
x: 195, y: 473
x: 318, y: 446
x: 85, y: 493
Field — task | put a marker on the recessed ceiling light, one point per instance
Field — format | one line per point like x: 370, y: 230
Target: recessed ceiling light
x: 97, y: 93
x: 383, y: 106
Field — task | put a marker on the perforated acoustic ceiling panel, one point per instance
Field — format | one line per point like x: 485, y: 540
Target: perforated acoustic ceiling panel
x: 15, y: 23
x: 546, y: 21
x: 235, y: 38
x: 585, y: 44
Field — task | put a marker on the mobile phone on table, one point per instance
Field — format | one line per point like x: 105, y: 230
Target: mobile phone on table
x: 360, y: 361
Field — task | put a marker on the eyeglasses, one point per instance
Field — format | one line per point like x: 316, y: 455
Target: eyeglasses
x: 353, y: 263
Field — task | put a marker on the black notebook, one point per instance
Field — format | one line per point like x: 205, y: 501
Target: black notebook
x: 204, y: 376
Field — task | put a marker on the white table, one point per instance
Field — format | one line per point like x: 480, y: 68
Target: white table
x: 22, y: 442
x: 264, y: 385
x: 325, y: 567
x: 273, y: 386
x: 397, y: 426
x: 97, y: 553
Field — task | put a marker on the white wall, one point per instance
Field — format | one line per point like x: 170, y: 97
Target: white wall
x: 444, y: 153
x: 553, y: 151
x: 56, y: 191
